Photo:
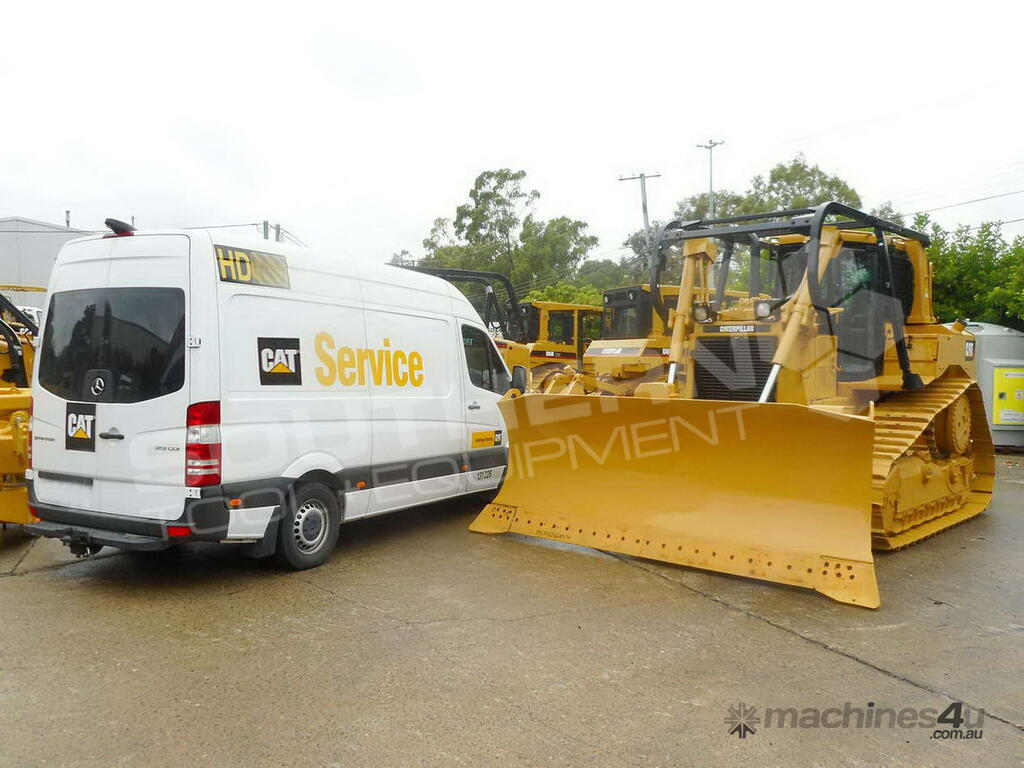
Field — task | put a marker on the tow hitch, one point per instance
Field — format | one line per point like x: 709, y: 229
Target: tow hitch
x: 80, y: 544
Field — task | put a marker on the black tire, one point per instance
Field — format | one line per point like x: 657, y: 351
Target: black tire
x: 308, y: 531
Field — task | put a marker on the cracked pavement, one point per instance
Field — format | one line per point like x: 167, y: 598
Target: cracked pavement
x: 422, y: 643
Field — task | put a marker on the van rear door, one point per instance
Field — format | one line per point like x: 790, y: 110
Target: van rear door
x: 111, y: 389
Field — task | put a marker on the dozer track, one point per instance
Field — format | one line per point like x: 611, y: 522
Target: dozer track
x: 933, y: 463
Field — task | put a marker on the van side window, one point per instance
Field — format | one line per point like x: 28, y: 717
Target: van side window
x: 485, y: 368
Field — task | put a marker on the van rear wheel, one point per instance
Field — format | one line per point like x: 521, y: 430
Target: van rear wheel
x: 308, y: 531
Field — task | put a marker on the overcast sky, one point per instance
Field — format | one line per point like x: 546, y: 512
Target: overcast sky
x: 355, y: 125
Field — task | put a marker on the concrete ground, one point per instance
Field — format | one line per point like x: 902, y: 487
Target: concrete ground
x: 424, y: 644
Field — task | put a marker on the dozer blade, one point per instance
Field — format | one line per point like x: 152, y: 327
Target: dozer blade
x: 769, y: 491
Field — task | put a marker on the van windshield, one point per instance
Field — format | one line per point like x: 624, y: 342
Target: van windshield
x: 131, y: 338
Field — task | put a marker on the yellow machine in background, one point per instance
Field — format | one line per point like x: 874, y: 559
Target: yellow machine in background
x: 541, y: 336
x: 812, y: 408
x: 557, y: 335
x: 18, y: 333
x: 633, y: 345
x: 502, y: 318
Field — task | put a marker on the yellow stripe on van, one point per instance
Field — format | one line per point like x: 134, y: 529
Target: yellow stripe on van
x: 483, y: 439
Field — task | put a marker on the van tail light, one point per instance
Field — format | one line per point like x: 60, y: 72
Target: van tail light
x: 202, y: 444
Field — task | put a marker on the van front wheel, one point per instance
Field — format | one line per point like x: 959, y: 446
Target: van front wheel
x: 308, y: 531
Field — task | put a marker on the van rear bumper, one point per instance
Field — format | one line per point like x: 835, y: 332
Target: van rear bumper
x: 206, y: 519
x: 83, y: 539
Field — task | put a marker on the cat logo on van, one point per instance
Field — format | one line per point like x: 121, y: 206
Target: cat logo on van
x: 280, y: 361
x: 80, y: 427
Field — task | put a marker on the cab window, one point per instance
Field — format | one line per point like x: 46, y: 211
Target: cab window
x: 482, y: 361
x: 590, y: 325
x: 560, y: 327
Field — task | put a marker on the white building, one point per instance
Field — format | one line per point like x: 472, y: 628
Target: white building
x: 28, y: 250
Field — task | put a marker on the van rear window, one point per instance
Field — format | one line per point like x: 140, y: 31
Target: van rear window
x: 133, y: 339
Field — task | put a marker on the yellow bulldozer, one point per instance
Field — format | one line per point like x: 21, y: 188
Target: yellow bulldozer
x: 633, y: 345
x: 558, y: 334
x: 812, y: 409
x: 18, y: 332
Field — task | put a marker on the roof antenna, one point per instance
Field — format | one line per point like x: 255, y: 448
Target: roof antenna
x: 119, y: 227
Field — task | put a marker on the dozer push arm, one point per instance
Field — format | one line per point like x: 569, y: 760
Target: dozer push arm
x: 696, y: 253
x: 801, y: 310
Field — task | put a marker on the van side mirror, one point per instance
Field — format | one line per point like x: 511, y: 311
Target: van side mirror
x: 519, y: 377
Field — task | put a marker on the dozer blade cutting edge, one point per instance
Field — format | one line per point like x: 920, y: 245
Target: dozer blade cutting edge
x: 771, y: 491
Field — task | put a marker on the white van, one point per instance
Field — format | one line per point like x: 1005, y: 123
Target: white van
x: 194, y: 386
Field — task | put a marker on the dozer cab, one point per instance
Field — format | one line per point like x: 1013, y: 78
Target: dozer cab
x: 558, y: 334
x: 18, y: 332
x: 634, y: 341
x: 812, y: 409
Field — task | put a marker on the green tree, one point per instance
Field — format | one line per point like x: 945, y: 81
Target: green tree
x: 796, y: 184
x: 604, y: 274
x: 402, y: 259
x: 886, y: 211
x: 978, y: 275
x: 498, y: 231
x: 567, y: 293
x: 698, y: 206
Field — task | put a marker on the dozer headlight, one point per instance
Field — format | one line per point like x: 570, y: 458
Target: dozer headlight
x: 764, y: 310
x: 703, y: 313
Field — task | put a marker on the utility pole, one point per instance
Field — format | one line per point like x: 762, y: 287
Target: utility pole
x: 710, y: 147
x: 643, y: 177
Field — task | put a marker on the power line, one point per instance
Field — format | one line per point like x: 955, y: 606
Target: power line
x: 968, y: 202
x: 710, y: 147
x: 643, y: 177
x: 293, y: 237
x: 997, y: 223
x: 225, y: 226
x: 50, y: 231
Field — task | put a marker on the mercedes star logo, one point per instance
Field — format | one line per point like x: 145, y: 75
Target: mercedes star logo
x: 98, y: 385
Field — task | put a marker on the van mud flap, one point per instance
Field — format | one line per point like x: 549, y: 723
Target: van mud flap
x: 770, y: 491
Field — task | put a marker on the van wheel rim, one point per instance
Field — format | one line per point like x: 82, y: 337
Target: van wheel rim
x: 309, y: 528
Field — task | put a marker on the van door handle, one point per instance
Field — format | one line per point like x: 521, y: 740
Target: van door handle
x: 474, y: 406
x: 113, y: 434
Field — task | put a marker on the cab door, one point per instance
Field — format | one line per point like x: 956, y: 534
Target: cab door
x: 484, y: 379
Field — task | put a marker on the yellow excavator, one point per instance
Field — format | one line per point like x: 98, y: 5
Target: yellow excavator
x: 813, y: 408
x: 18, y: 332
